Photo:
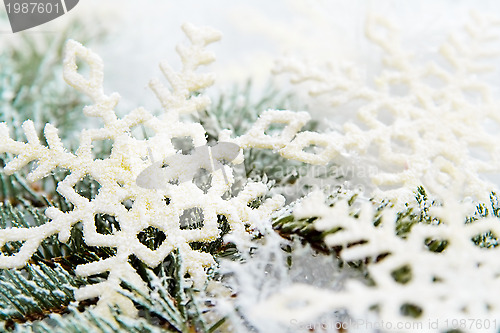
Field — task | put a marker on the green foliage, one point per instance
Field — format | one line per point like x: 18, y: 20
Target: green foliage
x: 487, y: 239
x: 46, y: 284
x: 169, y: 302
x: 38, y: 94
x: 414, y: 214
x: 88, y: 322
x: 15, y: 188
x: 238, y: 111
x: 34, y: 291
x: 69, y: 254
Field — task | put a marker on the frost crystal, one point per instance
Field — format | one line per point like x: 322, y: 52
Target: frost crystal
x: 117, y: 175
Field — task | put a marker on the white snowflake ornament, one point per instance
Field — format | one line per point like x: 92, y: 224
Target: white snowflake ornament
x: 433, y: 123
x: 455, y: 281
x: 116, y: 174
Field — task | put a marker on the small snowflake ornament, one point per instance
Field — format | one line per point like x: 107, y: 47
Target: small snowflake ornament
x: 458, y: 280
x: 117, y: 175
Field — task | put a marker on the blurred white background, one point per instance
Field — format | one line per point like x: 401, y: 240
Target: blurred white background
x: 255, y: 33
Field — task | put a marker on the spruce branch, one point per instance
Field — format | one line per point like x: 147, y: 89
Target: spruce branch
x: 170, y: 302
x: 39, y: 94
x: 35, y: 291
x: 237, y: 111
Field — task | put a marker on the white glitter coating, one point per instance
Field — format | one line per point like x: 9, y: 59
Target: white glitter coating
x: 117, y: 175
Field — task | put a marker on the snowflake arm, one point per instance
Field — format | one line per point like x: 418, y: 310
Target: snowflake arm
x: 289, y: 142
x: 178, y: 100
x: 117, y: 174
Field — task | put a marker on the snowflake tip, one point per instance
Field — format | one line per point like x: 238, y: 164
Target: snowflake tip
x: 201, y: 35
x: 93, y: 86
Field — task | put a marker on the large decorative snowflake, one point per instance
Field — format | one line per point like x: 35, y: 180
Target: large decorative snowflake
x: 117, y: 174
x: 436, y: 123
